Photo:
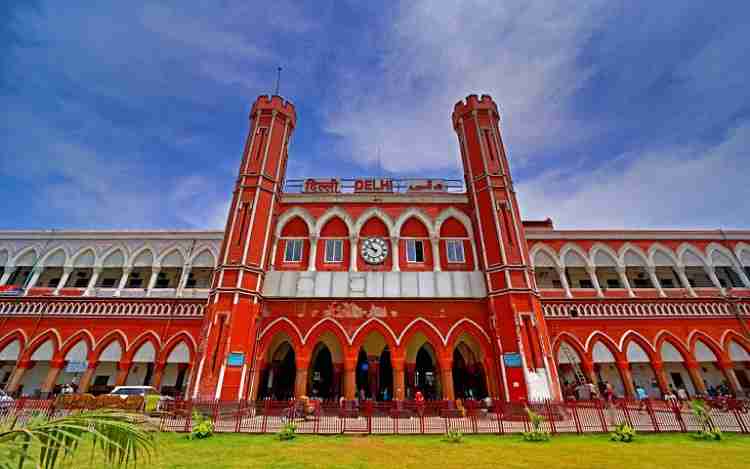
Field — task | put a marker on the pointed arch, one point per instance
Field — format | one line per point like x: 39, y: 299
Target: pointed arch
x: 327, y: 324
x: 660, y: 255
x: 472, y: 329
x: 51, y: 336
x: 717, y: 251
x: 419, y: 215
x: 330, y: 214
x: 373, y: 325
x: 715, y: 347
x: 144, y: 257
x: 110, y: 257
x: 462, y: 218
x: 290, y: 214
x: 632, y: 335
x: 426, y: 326
x: 204, y: 257
x: 82, y: 335
x: 22, y: 254
x: 742, y: 250
x: 632, y: 256
x: 278, y: 326
x: 85, y: 257
x: 4, y: 257
x: 610, y: 343
x: 140, y: 341
x: 182, y: 337
x: 172, y: 257
x: 52, y: 258
x: 687, y: 252
x: 664, y: 336
x: 421, y: 329
x: 571, y: 255
x: 573, y: 342
x: 106, y: 339
x: 374, y: 212
x: 10, y: 338
x: 602, y: 255
x: 541, y: 255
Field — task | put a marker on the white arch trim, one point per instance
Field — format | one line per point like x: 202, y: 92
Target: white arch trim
x: 449, y: 213
x: 578, y: 250
x: 107, y: 336
x: 282, y: 319
x: 377, y: 213
x: 599, y: 332
x: 473, y: 323
x: 630, y: 332
x: 331, y: 213
x: 543, y: 248
x: 419, y: 215
x: 317, y: 324
x: 290, y: 214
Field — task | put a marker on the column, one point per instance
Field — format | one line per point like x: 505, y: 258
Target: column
x: 353, y: 254
x: 54, y: 371
x: 627, y: 378
x: 493, y: 384
x: 123, y: 368
x: 338, y: 373
x: 123, y: 280
x: 684, y: 280
x: 622, y: 272
x: 18, y: 373
x: 184, y: 275
x: 661, y: 377
x: 64, y: 279
x: 714, y: 279
x: 694, y: 370
x: 88, y: 375
x: 152, y: 281
x: 446, y: 379
x: 743, y: 278
x: 35, y: 273
x: 255, y: 383
x: 727, y: 367
x: 300, y: 381
x: 395, y: 256
x: 399, y: 387
x: 350, y: 378
x: 587, y: 368
x: 409, y: 372
x: 564, y: 281
x: 594, y: 280
x: 92, y: 281
x: 158, y: 375
x: 274, y: 249
x: 655, y: 281
x: 436, y: 253
x: 6, y: 275
x: 313, y: 253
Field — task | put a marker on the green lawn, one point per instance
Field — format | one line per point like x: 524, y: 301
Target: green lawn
x: 570, y: 451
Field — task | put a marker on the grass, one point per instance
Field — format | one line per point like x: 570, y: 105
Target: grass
x: 568, y: 451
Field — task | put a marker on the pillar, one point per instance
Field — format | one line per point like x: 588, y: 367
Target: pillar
x: 158, y: 375
x: 446, y: 378
x: 88, y: 375
x: 622, y: 273
x: 255, y: 383
x: 409, y: 372
x: 587, y: 368
x: 399, y: 387
x: 395, y: 256
x: 627, y: 378
x: 564, y: 281
x: 54, y: 371
x: 594, y: 280
x: 436, y: 261
x: 350, y: 378
x: 64, y: 279
x: 123, y: 368
x: 655, y: 281
x: 727, y: 367
x: 92, y: 281
x: 152, y: 281
x: 493, y: 384
x: 353, y: 253
x: 123, y: 280
x: 685, y: 282
x: 184, y: 275
x: 661, y: 377
x: 18, y: 374
x: 694, y: 370
x: 6, y: 275
x: 300, y: 381
x: 338, y: 372
x: 35, y: 273
x: 313, y: 253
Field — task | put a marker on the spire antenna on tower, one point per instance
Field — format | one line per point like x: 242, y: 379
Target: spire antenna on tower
x: 278, y: 80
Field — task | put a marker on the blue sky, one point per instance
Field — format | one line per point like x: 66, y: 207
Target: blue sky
x: 615, y: 114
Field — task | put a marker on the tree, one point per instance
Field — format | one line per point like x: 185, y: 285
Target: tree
x: 122, y: 439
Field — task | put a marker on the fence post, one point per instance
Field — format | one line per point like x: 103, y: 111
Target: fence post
x: 573, y: 407
x: 550, y: 416
x: 189, y: 418
x: 625, y: 411
x: 264, y: 420
x: 678, y: 415
x: 600, y: 413
x: 652, y: 414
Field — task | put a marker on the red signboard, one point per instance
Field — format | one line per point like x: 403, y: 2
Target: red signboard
x: 373, y: 185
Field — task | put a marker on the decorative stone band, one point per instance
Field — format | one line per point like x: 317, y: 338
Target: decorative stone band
x: 99, y: 307
x: 644, y: 308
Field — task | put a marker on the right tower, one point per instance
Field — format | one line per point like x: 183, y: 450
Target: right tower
x: 522, y: 345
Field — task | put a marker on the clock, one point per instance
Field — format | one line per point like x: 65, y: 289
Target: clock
x: 374, y: 250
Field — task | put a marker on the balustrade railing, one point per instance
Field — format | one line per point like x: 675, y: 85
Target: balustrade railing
x: 651, y: 307
x: 131, y: 307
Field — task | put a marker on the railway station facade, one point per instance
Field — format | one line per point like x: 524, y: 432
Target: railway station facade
x: 375, y: 287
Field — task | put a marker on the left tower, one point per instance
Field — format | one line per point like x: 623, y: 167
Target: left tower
x: 230, y: 325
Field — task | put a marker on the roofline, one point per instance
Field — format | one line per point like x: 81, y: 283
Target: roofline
x: 112, y: 234
x: 719, y: 234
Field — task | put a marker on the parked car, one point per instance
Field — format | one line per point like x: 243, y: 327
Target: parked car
x: 5, y: 400
x: 145, y: 391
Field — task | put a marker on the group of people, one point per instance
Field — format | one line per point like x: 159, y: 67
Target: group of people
x: 605, y: 390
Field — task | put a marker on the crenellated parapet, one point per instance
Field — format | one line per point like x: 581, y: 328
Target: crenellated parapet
x: 274, y: 103
x: 474, y: 103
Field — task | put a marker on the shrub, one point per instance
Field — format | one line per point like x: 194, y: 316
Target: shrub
x: 152, y: 403
x: 536, y: 433
x: 202, y: 427
x: 287, y: 432
x: 624, y: 433
x: 454, y: 436
x: 708, y: 430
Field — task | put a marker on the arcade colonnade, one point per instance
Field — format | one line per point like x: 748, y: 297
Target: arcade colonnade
x: 698, y: 364
x: 36, y: 367
x: 329, y: 364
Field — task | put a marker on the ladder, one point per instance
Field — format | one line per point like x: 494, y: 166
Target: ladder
x: 572, y: 358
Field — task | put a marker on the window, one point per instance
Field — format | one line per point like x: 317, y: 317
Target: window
x: 334, y: 250
x: 613, y: 283
x: 414, y: 250
x: 585, y: 283
x: 135, y: 280
x: 455, y: 248
x: 293, y: 251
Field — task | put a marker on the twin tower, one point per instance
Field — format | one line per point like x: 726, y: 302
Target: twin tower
x: 231, y: 357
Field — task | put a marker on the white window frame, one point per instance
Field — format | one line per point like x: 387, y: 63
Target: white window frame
x: 411, y: 251
x: 457, y: 243
x: 337, y: 251
x: 293, y: 242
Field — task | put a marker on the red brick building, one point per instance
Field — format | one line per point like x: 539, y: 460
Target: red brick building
x: 376, y: 286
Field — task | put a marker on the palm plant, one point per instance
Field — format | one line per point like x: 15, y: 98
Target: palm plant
x: 122, y: 439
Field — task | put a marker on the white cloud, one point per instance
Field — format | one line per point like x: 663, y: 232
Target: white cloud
x: 523, y: 53
x: 687, y: 186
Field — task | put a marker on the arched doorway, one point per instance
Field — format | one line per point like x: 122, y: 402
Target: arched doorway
x: 321, y: 377
x: 677, y: 374
x: 280, y: 374
x: 605, y: 368
x: 426, y: 376
x: 641, y: 370
x: 385, y: 378
x: 469, y: 380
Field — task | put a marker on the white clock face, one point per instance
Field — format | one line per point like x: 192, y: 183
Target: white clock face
x: 374, y: 250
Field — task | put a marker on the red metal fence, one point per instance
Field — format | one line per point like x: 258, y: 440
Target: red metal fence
x: 428, y: 417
